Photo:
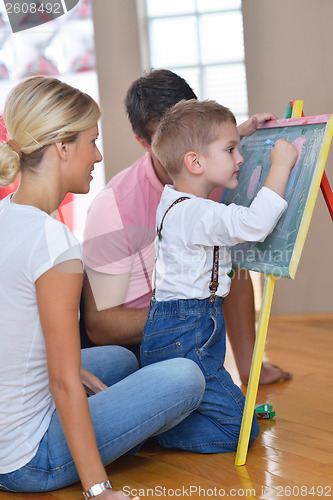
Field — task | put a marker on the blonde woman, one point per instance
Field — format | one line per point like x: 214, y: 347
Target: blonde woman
x: 51, y: 434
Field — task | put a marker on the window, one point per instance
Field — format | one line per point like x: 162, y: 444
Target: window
x: 201, y: 40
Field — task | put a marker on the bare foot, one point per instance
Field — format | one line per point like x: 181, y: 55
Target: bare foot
x: 271, y: 374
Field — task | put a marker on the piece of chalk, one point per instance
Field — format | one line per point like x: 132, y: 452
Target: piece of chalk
x: 270, y: 142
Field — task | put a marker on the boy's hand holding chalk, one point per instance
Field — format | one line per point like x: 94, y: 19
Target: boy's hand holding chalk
x: 283, y: 157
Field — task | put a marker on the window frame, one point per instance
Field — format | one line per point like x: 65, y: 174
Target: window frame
x: 145, y: 22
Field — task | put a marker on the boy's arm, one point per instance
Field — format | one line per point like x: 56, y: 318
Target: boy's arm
x: 283, y: 158
x: 234, y: 224
x: 251, y: 125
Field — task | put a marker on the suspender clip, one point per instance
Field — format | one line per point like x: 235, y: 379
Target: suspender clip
x: 213, y: 286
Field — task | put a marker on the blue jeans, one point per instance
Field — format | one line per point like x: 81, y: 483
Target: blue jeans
x: 195, y: 329
x: 138, y: 403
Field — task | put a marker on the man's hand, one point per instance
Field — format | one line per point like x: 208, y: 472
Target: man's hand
x: 251, y: 125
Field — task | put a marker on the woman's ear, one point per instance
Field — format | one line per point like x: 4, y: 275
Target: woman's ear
x: 63, y: 149
x: 192, y: 163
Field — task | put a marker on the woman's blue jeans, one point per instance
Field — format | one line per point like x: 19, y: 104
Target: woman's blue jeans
x: 138, y: 403
x: 195, y: 329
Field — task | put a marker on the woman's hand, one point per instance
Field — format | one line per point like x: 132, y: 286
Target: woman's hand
x: 91, y: 383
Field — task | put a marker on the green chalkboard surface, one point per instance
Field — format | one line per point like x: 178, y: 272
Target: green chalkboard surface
x: 274, y: 255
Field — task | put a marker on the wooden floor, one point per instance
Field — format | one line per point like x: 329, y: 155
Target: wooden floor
x: 293, y: 456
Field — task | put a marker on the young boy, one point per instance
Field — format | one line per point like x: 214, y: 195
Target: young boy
x: 197, y: 143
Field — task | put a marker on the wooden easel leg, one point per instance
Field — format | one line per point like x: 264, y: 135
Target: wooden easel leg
x: 252, y: 388
x: 247, y: 483
x: 327, y: 193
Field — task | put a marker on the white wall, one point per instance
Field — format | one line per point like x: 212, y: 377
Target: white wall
x: 118, y: 64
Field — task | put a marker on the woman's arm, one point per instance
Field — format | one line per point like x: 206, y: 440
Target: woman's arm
x: 58, y: 294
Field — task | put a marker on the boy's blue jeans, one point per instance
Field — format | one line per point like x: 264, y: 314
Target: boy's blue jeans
x: 138, y: 403
x: 195, y: 329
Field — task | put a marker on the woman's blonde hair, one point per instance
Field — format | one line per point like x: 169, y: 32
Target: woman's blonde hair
x: 38, y: 112
x: 188, y: 126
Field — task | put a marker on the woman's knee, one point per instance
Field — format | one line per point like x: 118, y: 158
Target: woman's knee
x: 186, y: 374
x: 109, y: 363
x: 124, y: 356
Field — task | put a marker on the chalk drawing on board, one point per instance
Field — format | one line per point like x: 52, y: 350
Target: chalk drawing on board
x: 298, y: 143
x: 305, y: 160
x: 254, y: 182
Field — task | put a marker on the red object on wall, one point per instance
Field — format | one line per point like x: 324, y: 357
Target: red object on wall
x: 4, y: 191
x: 65, y: 211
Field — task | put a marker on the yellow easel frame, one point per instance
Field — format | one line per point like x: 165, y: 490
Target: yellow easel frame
x: 268, y: 291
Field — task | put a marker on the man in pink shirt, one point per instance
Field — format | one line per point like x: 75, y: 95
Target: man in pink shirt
x: 119, y: 249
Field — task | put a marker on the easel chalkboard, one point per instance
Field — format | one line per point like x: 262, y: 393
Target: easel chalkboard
x: 280, y: 253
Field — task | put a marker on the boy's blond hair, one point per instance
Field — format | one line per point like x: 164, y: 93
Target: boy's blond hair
x: 188, y: 126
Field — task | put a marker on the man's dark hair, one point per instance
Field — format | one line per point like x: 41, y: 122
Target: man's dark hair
x: 150, y: 96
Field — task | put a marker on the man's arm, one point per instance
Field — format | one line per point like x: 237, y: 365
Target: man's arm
x: 106, y: 320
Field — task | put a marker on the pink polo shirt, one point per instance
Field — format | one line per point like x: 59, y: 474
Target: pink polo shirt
x: 120, y: 229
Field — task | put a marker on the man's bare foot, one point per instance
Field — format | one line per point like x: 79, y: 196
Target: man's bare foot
x: 270, y: 374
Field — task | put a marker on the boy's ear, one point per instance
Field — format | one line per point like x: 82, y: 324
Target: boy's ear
x: 192, y: 163
x: 144, y: 143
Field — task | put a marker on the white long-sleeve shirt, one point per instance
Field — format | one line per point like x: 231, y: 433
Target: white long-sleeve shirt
x: 193, y: 227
